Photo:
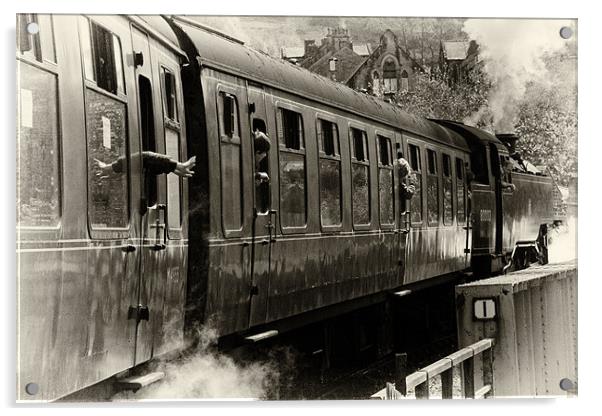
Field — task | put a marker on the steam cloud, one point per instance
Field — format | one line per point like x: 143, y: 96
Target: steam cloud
x: 208, y: 374
x: 562, y: 242
x: 512, y: 52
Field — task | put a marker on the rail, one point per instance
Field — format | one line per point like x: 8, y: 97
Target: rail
x: 419, y: 380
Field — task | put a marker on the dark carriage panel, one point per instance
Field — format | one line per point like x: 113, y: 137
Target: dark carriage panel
x: 79, y: 279
x: 527, y: 208
x: 434, y: 248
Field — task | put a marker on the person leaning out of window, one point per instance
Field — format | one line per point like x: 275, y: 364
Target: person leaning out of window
x: 153, y: 163
x: 407, y: 179
x: 261, y: 145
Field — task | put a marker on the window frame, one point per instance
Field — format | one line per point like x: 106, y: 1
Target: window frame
x: 109, y: 232
x: 235, y: 139
x: 320, y: 117
x: 462, y: 159
x: 390, y: 137
x: 279, y: 122
x: 105, y: 233
x: 450, y: 176
x: 174, y: 123
x: 94, y: 81
x: 437, y: 176
x: 47, y: 232
x: 419, y: 145
x: 367, y: 162
x: 173, y: 233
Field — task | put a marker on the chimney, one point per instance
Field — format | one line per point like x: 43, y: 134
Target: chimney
x: 307, y: 45
x: 333, y: 68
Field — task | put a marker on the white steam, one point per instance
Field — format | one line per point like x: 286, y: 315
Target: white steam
x: 562, y: 242
x: 208, y: 374
x: 512, y: 52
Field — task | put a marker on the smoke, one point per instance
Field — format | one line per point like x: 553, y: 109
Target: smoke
x: 512, y: 52
x: 265, y: 33
x: 562, y: 242
x: 208, y: 374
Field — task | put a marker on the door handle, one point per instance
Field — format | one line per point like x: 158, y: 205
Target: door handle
x: 406, y: 222
x: 128, y: 248
x: 160, y: 242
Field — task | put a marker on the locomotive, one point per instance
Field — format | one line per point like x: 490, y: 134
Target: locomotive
x: 116, y: 271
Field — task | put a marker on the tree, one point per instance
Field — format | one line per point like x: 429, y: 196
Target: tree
x: 547, y: 128
x: 432, y: 96
x: 546, y: 123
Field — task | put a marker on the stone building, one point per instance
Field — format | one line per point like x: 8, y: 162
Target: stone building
x: 457, y: 59
x: 386, y: 69
x: 337, y: 46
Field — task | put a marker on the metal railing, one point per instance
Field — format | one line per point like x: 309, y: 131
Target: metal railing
x: 419, y: 380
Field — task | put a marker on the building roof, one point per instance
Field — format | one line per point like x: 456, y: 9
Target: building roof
x: 362, y: 49
x: 415, y: 65
x: 292, y: 52
x: 347, y: 63
x: 455, y: 51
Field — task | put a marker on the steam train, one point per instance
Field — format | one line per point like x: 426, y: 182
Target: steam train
x: 114, y: 271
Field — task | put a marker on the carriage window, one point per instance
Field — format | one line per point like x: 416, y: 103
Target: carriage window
x: 385, y: 180
x: 478, y: 161
x: 360, y: 171
x: 330, y: 173
x: 169, y: 95
x: 384, y: 150
x: 416, y: 201
x: 360, y: 145
x: 174, y: 210
x: 28, y: 44
x: 328, y: 137
x: 231, y: 163
x: 40, y: 45
x: 172, y: 149
x: 448, y: 210
x: 38, y: 188
x: 461, y: 192
x: 262, y: 188
x: 106, y: 132
x: 431, y: 162
x: 147, y: 133
x: 291, y: 135
x: 293, y: 194
x: 102, y: 56
x: 432, y: 188
x: 229, y: 115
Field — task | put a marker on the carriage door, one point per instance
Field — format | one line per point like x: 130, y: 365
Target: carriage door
x: 146, y: 312
x: 263, y: 221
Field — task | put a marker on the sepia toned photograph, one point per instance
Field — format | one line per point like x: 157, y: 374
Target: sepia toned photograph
x: 295, y: 208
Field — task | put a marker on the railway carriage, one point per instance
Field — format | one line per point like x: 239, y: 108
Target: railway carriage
x: 101, y: 260
x: 113, y: 270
